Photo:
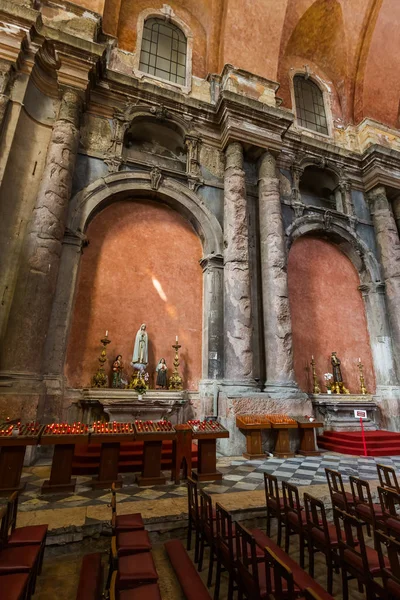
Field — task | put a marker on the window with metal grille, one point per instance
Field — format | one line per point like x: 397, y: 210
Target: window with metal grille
x: 310, y: 107
x: 163, y: 52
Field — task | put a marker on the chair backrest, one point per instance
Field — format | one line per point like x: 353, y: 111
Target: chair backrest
x: 316, y: 520
x: 282, y: 585
x: 336, y: 489
x: 390, y: 575
x: 225, y: 530
x: 362, y: 495
x: 193, y: 500
x: 271, y: 489
x: 291, y: 500
x: 206, y: 512
x: 350, y: 535
x: 387, y: 477
x: 3, y: 527
x: 390, y: 502
x: 12, y: 511
x: 246, y: 562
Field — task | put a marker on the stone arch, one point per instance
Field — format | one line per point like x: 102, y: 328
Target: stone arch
x: 340, y: 234
x: 86, y: 203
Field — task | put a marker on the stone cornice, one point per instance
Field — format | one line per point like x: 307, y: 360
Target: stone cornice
x: 380, y: 166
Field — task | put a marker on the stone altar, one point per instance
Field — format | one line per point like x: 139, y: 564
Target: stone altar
x: 337, y: 411
x: 125, y: 405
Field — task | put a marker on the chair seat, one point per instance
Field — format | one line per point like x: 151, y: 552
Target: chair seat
x: 293, y: 518
x: 32, y: 534
x: 135, y: 569
x: 337, y: 498
x: 364, y: 511
x: 131, y: 542
x: 274, y: 504
x: 143, y: 592
x: 319, y: 536
x: 394, y: 525
x: 131, y: 522
x: 18, y: 559
x: 13, y: 587
x: 355, y: 560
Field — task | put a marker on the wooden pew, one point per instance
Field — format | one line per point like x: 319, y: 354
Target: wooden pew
x: 190, y: 581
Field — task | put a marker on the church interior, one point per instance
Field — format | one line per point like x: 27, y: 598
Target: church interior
x: 200, y: 299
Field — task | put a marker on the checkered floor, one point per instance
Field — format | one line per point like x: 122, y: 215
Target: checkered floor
x: 239, y: 474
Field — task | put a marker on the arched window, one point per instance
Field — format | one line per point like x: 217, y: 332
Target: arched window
x: 310, y: 107
x: 163, y: 52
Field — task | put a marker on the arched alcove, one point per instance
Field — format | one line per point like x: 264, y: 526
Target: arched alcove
x: 319, y: 187
x: 328, y: 313
x: 141, y: 266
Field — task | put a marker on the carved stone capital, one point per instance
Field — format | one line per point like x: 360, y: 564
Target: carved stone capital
x: 113, y: 164
x: 211, y: 262
x: 195, y: 183
x: 156, y: 178
x: 75, y: 238
x: 377, y: 199
x: 267, y: 167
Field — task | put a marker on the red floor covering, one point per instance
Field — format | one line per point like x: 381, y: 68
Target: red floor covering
x: 379, y: 443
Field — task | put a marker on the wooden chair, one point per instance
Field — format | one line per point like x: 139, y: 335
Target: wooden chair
x: 144, y: 592
x: 225, y: 550
x: 133, y: 569
x: 275, y: 505
x: 30, y: 535
x: 390, y: 505
x: 390, y: 564
x: 193, y: 517
x: 208, y: 533
x: 357, y: 559
x: 322, y: 537
x: 364, y: 508
x: 387, y: 477
x: 250, y: 571
x: 340, y: 498
x: 281, y: 585
x: 295, y: 518
x: 121, y: 523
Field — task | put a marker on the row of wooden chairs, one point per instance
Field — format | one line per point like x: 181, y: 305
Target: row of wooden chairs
x: 132, y: 573
x: 21, y: 553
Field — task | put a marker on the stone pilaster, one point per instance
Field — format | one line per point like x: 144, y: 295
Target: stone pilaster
x: 396, y: 212
x: 388, y: 242
x: 213, y: 310
x: 238, y: 352
x: 347, y: 203
x: 277, y: 321
x: 5, y: 78
x: 23, y: 346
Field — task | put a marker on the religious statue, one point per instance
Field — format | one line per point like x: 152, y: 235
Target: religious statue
x: 140, y: 356
x: 117, y: 372
x: 161, y: 370
x: 337, y: 384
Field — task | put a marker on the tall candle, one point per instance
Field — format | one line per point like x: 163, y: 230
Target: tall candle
x: 176, y: 338
x: 312, y: 357
x: 107, y: 333
x: 359, y: 360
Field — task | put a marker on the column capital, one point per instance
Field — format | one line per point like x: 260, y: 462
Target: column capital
x: 267, y: 166
x: 375, y: 287
x: 75, y: 238
x: 234, y: 156
x: 212, y: 261
x: 377, y: 198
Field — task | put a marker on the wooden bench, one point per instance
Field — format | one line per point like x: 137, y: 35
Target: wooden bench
x: 188, y: 577
x: 301, y: 578
x: 90, y: 585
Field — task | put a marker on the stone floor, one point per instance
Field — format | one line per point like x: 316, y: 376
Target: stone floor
x: 238, y: 475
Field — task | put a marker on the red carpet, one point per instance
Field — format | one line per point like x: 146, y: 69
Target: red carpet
x: 87, y: 458
x: 379, y: 443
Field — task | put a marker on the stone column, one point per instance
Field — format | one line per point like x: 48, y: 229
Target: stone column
x: 277, y: 321
x: 396, y: 212
x: 238, y: 332
x: 5, y: 76
x: 388, y: 242
x: 22, y: 350
x: 213, y: 299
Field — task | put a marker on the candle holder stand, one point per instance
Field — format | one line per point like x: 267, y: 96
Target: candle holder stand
x: 100, y: 379
x: 363, y: 389
x: 316, y: 388
x: 175, y: 381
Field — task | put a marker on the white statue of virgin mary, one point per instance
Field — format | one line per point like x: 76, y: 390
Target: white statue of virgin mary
x: 140, y: 356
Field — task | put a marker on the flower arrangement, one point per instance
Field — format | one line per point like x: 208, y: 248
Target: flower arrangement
x: 139, y: 382
x: 328, y: 381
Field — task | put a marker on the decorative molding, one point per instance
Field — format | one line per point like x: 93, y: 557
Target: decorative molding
x: 156, y: 178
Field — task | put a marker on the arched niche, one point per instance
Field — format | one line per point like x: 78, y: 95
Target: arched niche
x: 328, y: 313
x: 320, y: 187
x: 161, y: 142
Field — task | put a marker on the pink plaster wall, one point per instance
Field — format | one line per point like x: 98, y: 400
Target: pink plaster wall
x: 327, y: 314
x: 141, y: 266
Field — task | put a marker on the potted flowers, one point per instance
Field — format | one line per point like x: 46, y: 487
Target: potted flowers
x: 328, y: 382
x: 139, y: 383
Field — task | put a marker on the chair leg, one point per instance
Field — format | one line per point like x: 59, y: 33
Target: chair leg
x: 287, y: 538
x: 217, y: 579
x: 279, y: 539
x: 345, y: 585
x: 189, y: 536
x: 210, y: 566
x: 301, y: 536
x: 311, y: 560
x: 268, y: 522
x: 230, y: 587
x: 197, y: 546
x: 329, y: 567
x: 201, y: 553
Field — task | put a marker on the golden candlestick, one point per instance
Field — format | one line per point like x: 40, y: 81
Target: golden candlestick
x: 316, y: 388
x: 175, y: 381
x: 363, y: 389
x: 100, y: 379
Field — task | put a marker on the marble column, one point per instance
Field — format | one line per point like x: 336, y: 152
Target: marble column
x: 213, y: 298
x: 388, y: 242
x: 23, y: 346
x: 276, y: 311
x: 238, y: 331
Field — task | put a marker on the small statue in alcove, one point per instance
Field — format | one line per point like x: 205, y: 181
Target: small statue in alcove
x: 338, y: 384
x: 117, y: 372
x: 161, y: 369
